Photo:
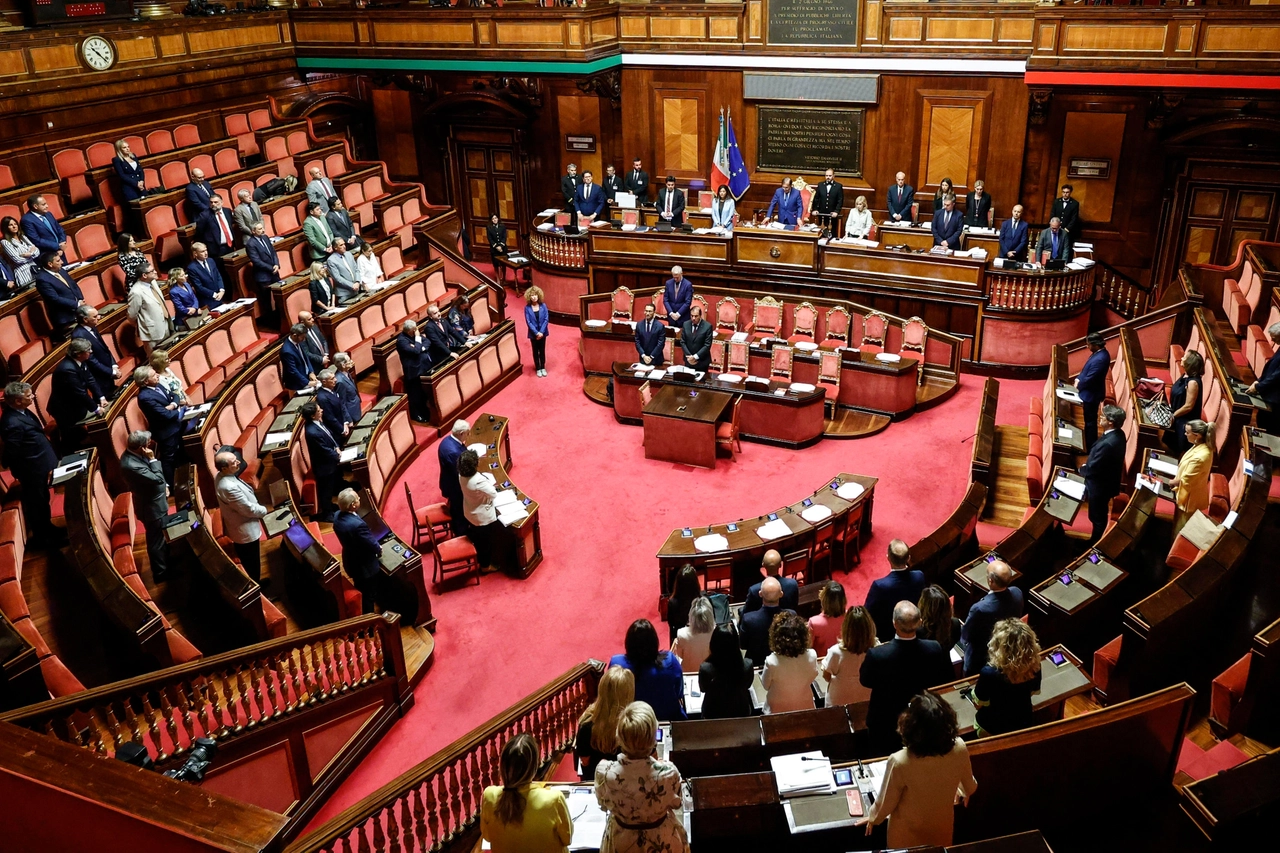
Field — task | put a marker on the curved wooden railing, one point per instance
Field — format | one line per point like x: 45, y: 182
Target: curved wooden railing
x: 1125, y: 296
x: 1038, y: 292
x: 439, y: 800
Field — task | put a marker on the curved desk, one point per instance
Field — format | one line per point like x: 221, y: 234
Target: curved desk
x: 746, y: 548
x: 519, y: 548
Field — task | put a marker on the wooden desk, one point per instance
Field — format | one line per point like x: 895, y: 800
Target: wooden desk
x: 1237, y: 806
x: 1058, y: 683
x: 519, y: 546
x: 680, y: 425
x: 501, y: 263
x: 918, y: 236
x: 402, y: 567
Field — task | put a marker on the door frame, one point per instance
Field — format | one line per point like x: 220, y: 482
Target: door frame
x: 461, y: 136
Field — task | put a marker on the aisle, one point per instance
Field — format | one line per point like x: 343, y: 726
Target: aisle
x: 605, y: 512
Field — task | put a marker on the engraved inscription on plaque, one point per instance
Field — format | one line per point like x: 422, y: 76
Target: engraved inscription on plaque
x: 813, y: 22
x: 809, y: 139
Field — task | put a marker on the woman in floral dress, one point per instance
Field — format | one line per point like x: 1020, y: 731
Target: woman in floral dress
x: 639, y: 792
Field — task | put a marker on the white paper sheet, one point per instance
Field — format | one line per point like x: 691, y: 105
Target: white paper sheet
x: 506, y: 497
x: 803, y: 773
x: 1065, y: 433
x: 74, y: 467
x: 814, y: 514
x: 739, y: 336
x: 711, y: 543
x: 1162, y: 467
x: 1068, y: 394
x: 775, y: 529
x: 348, y: 454
x: 511, y: 514
x: 277, y: 438
x: 850, y: 491
x: 1070, y: 488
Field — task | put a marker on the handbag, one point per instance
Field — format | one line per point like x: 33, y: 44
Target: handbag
x: 1149, y: 389
x: 1158, y: 412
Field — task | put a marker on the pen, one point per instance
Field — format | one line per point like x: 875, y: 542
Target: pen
x: 811, y: 758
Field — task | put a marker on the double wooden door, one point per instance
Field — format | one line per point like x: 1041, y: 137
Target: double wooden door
x: 1219, y: 216
x: 490, y: 182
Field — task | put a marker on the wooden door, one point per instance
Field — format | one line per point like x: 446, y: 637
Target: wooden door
x: 1218, y: 217
x: 489, y: 185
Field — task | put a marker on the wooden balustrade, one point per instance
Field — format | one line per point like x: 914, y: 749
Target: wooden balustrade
x: 1037, y: 292
x: 439, y: 800
x: 221, y: 697
x: 558, y: 250
x: 1123, y: 295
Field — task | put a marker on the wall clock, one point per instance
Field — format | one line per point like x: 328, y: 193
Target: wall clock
x: 98, y: 53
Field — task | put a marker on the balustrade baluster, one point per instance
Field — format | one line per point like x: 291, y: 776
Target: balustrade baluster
x: 404, y: 825
x: 421, y: 843
x: 432, y: 804
x: 379, y: 654
x: 318, y: 673
x: 171, y: 716
x: 153, y: 727
x: 294, y: 681
x: 211, y: 705
x: 363, y: 839
x: 454, y: 803
x: 245, y: 717
x: 330, y: 649
x: 364, y: 657
x: 256, y: 676
x: 379, y: 838
x: 465, y: 799
x: 342, y: 652
x: 113, y: 726
x: 230, y: 721
x: 96, y: 727
x: 279, y: 697
x: 131, y: 719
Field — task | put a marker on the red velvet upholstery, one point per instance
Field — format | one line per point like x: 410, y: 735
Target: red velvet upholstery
x: 1035, y: 478
x: 1227, y: 691
x: 57, y: 678
x: 1219, y: 497
x: 180, y: 649
x: 1104, y: 662
x: 1181, y: 555
x: 275, y: 620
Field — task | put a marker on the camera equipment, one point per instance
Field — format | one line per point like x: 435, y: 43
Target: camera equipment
x: 192, y: 770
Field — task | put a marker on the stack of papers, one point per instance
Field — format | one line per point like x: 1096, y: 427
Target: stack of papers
x: 1162, y: 467
x: 692, y: 695
x: 802, y: 774
x: 816, y: 513
x: 802, y: 387
x: 550, y: 211
x: 348, y: 454
x: 510, y: 510
x: 517, y: 259
x: 274, y: 438
x: 479, y: 448
x: 775, y: 529
x: 504, y: 498
x: 72, y: 468
x: 1071, y: 488
x: 862, y: 242
x: 710, y: 543
x: 850, y: 491
x: 1068, y: 394
x: 547, y: 226
x: 1201, y: 531
x: 597, y: 323
x: 739, y: 336
x: 888, y: 357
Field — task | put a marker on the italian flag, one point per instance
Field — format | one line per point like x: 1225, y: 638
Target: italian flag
x: 720, y: 160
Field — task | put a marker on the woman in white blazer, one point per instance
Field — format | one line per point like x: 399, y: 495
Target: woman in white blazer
x: 791, y: 666
x: 147, y: 310
x: 859, y: 223
x: 478, y: 491
x: 723, y: 209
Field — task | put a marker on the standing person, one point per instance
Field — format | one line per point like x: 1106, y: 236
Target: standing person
x: 1267, y: 386
x: 132, y: 179
x: 677, y: 297
x: 569, y: 186
x: 213, y: 228
x: 1184, y: 401
x: 538, y: 319
x: 695, y: 340
x: 828, y: 200
x: 589, y: 199
x: 496, y: 233
x: 1004, y: 601
x: 448, y: 454
x: 145, y: 478
x: 897, y: 670
x: 611, y: 183
x: 347, y: 389
x: 671, y: 203
x: 1067, y: 209
x: 723, y: 210
x: 59, y: 293
x: 1014, y: 236
x: 186, y: 305
x: 977, y: 207
x: 725, y: 678
x: 754, y: 626
x: 659, y: 682
x: 1011, y: 675
x: 788, y: 203
x: 826, y: 626
x: 325, y: 451
x: 639, y: 792
x: 925, y: 779
x: 247, y: 214
x: 945, y: 188
x: 75, y: 395
x: 205, y: 276
x: 361, y: 553
x: 129, y: 257
x: 771, y: 567
x: 597, y: 738
x: 164, y: 418
x: 1091, y: 384
x: 651, y: 337
x: 791, y: 666
x: 42, y: 227
x: 102, y: 363
x: 901, y: 584
x: 937, y: 621
x: 240, y: 512
x: 319, y: 189
x: 1192, y: 481
x: 459, y: 320
x: 369, y: 268
x: 900, y: 197
x: 686, y: 589
x: 521, y: 815
x: 1055, y: 243
x: 21, y: 252
x: 30, y: 459
x: 478, y: 491
x: 693, y: 641
x: 948, y: 224
x: 414, y: 362
x: 147, y: 310
x: 637, y: 182
x: 1103, y: 471
x: 844, y: 659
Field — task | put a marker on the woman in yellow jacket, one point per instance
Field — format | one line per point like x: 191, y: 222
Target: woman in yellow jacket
x: 524, y: 816
x: 1192, y: 481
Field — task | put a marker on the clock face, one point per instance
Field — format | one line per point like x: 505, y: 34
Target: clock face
x: 98, y: 53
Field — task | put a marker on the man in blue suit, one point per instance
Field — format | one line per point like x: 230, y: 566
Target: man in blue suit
x: 215, y: 229
x: 651, y: 335
x: 265, y: 264
x: 1004, y: 601
x: 901, y: 584
x: 323, y: 447
x: 298, y: 373
x: 677, y: 296
x: 450, y: 486
x: 753, y: 628
x: 1103, y: 471
x: 30, y: 458
x: 1091, y: 384
x: 361, y: 553
x: 441, y: 342
x: 771, y: 567
x: 205, y: 277
x: 947, y: 224
x: 199, y: 194
x: 346, y: 385
x: 1014, y: 236
x: 41, y: 226
x: 331, y: 404
x: 59, y: 293
x: 8, y: 280
x: 1267, y: 386
x: 414, y: 362
x: 788, y: 203
x: 164, y: 418
x: 101, y: 363
x: 900, y: 198
x: 588, y: 198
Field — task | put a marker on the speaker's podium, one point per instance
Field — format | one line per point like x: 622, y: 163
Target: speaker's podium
x: 680, y: 424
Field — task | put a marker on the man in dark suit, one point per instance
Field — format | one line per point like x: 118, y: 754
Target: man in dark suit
x: 753, y: 631
x: 414, y: 361
x: 1014, y: 236
x: 214, y: 228
x: 331, y: 404
x: 164, y: 417
x: 1067, y: 209
x: 1103, y: 471
x: 42, y: 228
x: 347, y: 390
x: 977, y: 206
x: 313, y: 341
x: 1054, y: 243
x: 450, y: 451
x: 637, y: 181
x: 340, y: 224
x: 200, y: 194
x: 144, y: 476
x: 900, y: 198
x: 787, y: 202
x: 771, y: 567
x: 588, y: 198
x: 569, y: 186
x: 441, y: 342
x: 297, y: 370
x: 611, y: 183
x: 898, y: 670
x: 361, y: 553
x: 828, y: 199
x: 59, y: 293
x: 671, y: 203
x: 1091, y: 384
x: 1003, y: 601
x: 947, y: 224
x: 206, y: 278
x: 651, y: 336
x: 324, y: 449
x: 101, y: 363
x: 1267, y: 386
x: 74, y: 395
x: 901, y: 584
x: 265, y: 263
x: 695, y: 340
x: 677, y: 296
x: 30, y: 458
x: 8, y: 279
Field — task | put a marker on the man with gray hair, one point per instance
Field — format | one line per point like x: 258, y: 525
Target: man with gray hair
x: 247, y: 213
x: 1267, y: 386
x: 145, y: 478
x: 413, y: 350
x: 346, y: 386
x: 897, y: 670
x: 360, y: 551
x: 903, y: 583
x: 1104, y: 469
x: 331, y: 403
x: 342, y: 267
x: 451, y: 447
x: 240, y: 513
x: 74, y: 394
x: 1004, y: 601
x: 30, y: 458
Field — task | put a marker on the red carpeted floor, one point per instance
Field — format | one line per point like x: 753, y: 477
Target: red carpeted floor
x: 605, y: 512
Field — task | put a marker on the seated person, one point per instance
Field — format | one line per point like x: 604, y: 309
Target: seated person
x: 1055, y: 243
x: 459, y: 320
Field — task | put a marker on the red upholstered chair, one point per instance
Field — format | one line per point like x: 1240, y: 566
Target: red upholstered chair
x: 1105, y: 660
x: 780, y: 363
x: 646, y: 394
x: 173, y: 175
x: 874, y: 327
x: 824, y: 536
x: 838, y: 325
x: 739, y: 363
x: 701, y: 302
x: 829, y: 377
x: 71, y: 166
x: 915, y: 334
x: 276, y: 149
x: 717, y: 575
x: 669, y: 351
x: 658, y: 308
x: 805, y: 324
x: 1181, y: 555
x: 766, y: 318
x: 727, y: 312
x: 849, y: 536
x: 432, y: 517
x: 335, y: 165
x: 100, y: 154
x: 719, y: 357
x: 6, y: 178
x: 185, y: 135
x: 795, y: 565
x: 452, y: 556
x: 258, y: 119
x: 226, y: 161
x: 297, y: 142
x: 915, y: 211
x: 237, y: 125
x: 1225, y: 695
x: 159, y: 141
x: 727, y: 431
x: 623, y: 302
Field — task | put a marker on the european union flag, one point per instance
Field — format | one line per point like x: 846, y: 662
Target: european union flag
x: 739, y: 181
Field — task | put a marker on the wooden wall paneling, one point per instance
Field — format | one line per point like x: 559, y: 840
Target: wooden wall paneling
x: 1093, y: 135
x: 393, y: 118
x: 579, y: 115
x: 952, y: 142
x: 681, y: 125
